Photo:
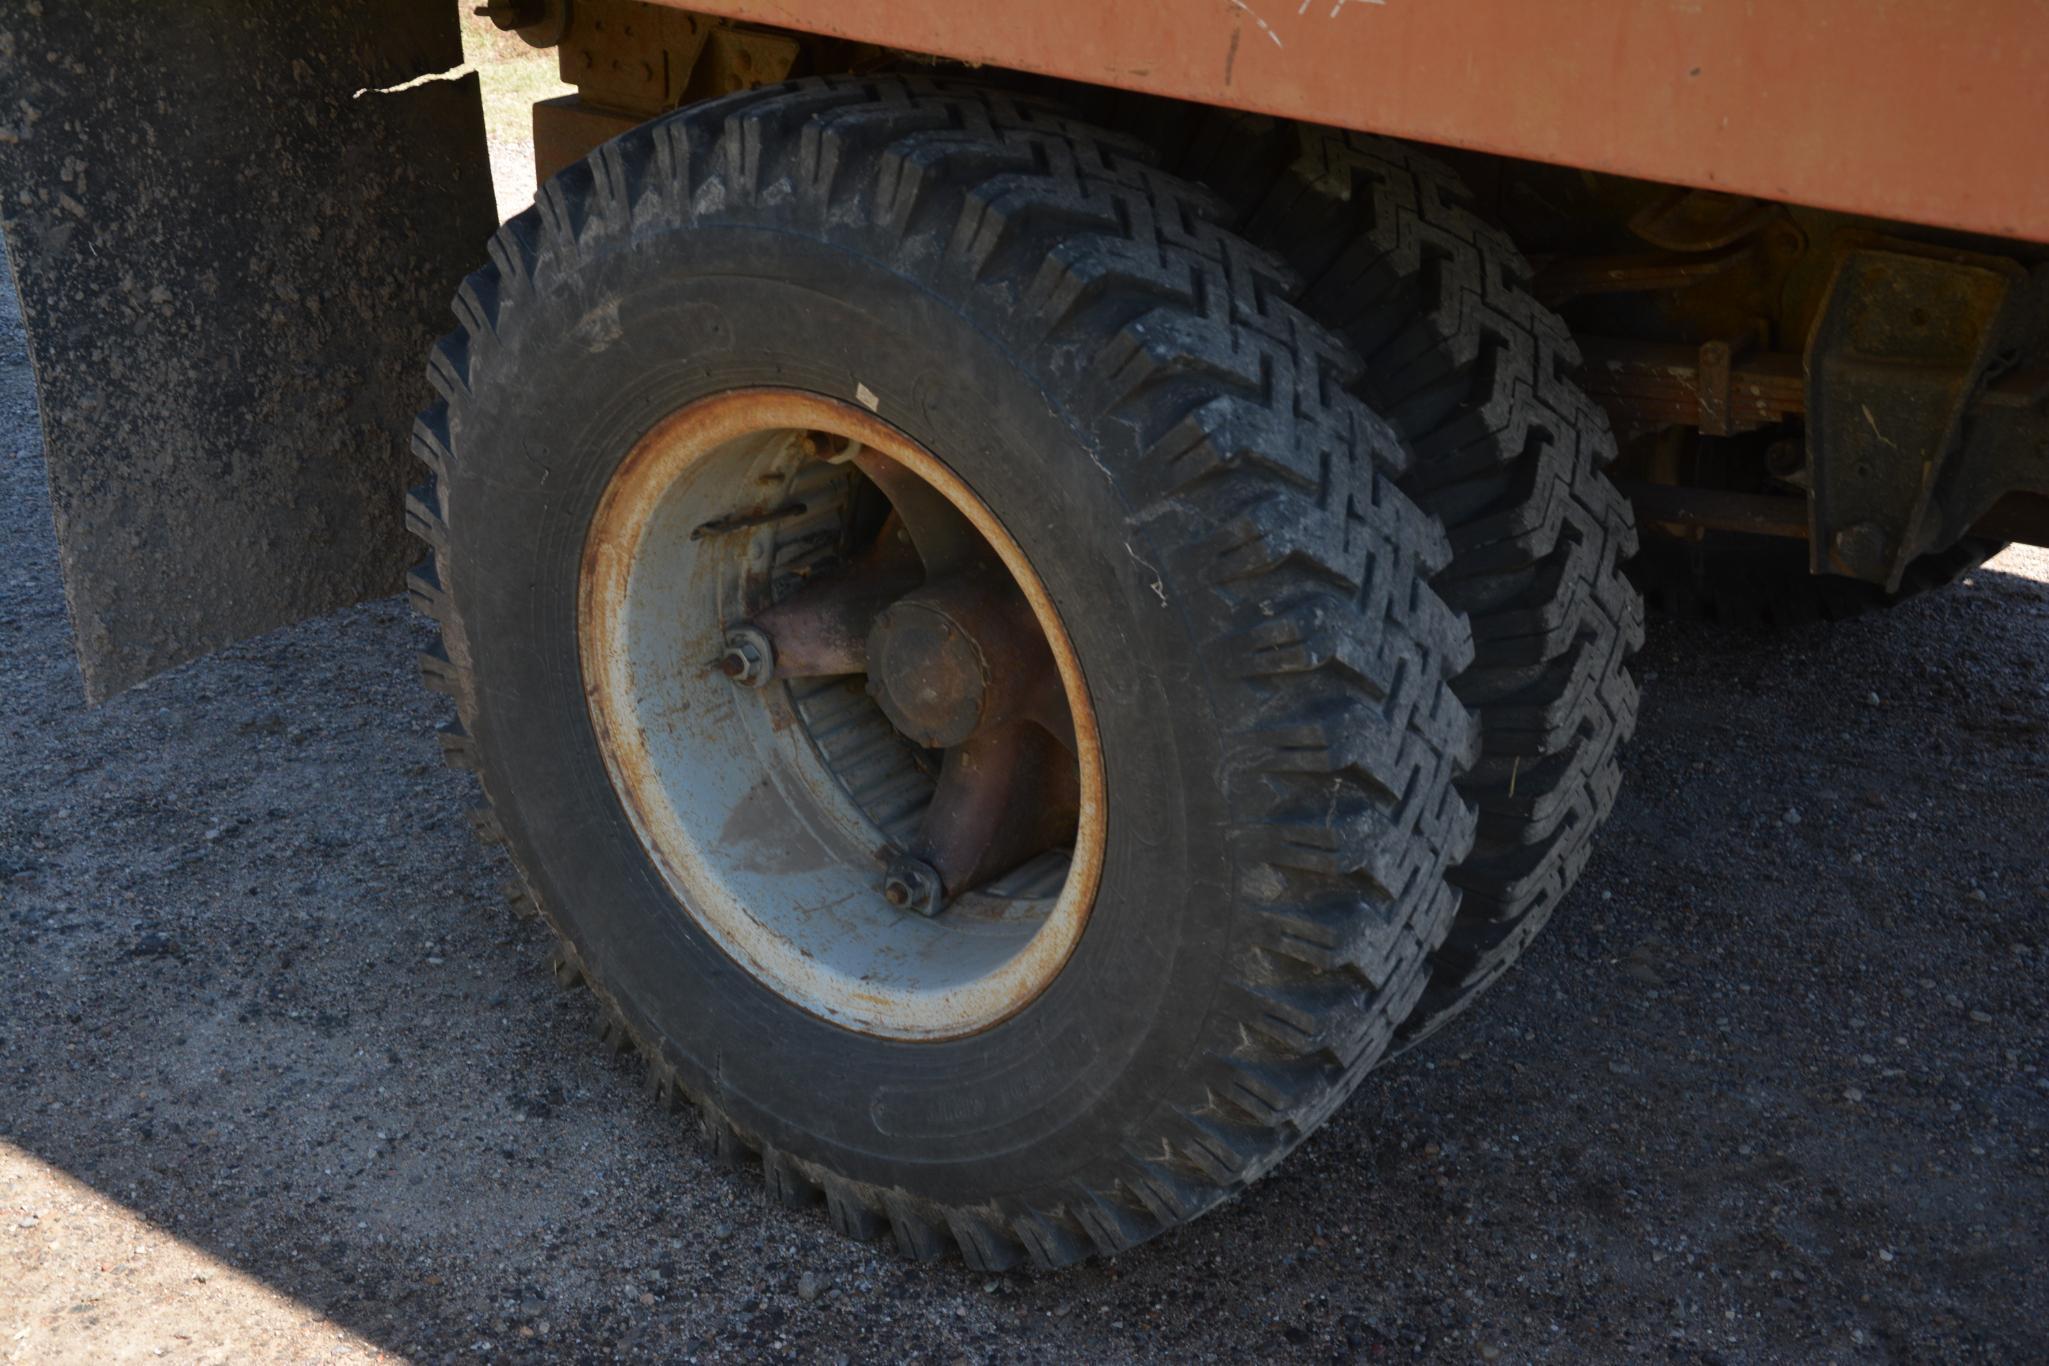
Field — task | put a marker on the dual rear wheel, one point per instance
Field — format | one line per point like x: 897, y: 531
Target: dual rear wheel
x: 961, y: 663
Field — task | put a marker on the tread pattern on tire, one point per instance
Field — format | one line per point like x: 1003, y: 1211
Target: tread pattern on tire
x: 1279, y: 486
x: 1476, y: 376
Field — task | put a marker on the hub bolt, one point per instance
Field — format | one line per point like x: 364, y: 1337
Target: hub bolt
x: 749, y: 657
x: 912, y: 885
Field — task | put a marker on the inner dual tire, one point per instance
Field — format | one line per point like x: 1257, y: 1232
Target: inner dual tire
x: 1129, y: 1012
x: 1476, y: 377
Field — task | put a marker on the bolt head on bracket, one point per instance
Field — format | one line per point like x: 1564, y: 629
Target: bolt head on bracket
x: 749, y: 657
x: 541, y: 22
x: 912, y: 885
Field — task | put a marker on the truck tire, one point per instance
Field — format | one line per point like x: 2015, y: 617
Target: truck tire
x: 1764, y: 581
x: 768, y: 354
x: 1475, y: 376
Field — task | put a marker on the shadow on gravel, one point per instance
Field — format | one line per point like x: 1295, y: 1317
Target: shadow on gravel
x: 1771, y: 1086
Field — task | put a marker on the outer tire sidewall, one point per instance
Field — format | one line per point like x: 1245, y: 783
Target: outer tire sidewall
x: 588, y: 365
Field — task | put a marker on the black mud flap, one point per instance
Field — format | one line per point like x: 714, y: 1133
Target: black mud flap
x: 233, y: 240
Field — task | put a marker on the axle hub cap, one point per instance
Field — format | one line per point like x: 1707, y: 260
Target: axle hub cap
x: 928, y: 674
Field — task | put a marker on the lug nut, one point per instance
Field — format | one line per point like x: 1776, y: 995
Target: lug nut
x: 912, y: 885
x: 749, y: 657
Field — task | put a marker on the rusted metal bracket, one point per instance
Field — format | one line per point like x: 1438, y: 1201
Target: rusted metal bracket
x: 630, y: 61
x: 1649, y: 385
x: 1561, y: 281
x: 567, y: 129
x: 1685, y: 219
x: 1903, y: 343
x: 2020, y: 517
x: 1754, y: 514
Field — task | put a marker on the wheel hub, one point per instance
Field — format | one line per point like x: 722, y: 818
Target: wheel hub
x: 927, y: 672
x: 876, y: 781
x: 949, y: 662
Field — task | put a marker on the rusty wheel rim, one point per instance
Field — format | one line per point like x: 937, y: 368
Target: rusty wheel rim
x: 751, y: 551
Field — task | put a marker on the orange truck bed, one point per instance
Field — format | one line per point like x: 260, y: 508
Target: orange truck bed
x: 1934, y: 111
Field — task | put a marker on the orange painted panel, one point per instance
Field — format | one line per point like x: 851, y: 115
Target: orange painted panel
x: 1933, y: 111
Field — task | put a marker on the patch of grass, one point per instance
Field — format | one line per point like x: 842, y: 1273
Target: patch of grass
x: 484, y: 41
x: 514, y: 77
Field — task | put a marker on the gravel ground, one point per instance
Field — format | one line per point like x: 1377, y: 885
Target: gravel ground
x: 281, y: 1080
